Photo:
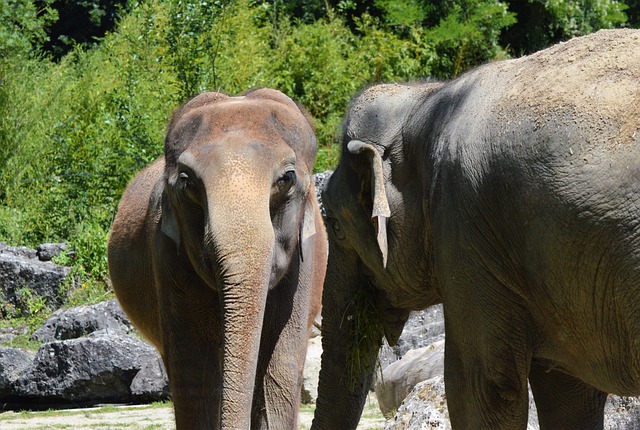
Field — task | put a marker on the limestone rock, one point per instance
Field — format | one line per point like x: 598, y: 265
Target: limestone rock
x: 107, y: 317
x: 400, y: 377
x: 13, y: 362
x: 83, y: 371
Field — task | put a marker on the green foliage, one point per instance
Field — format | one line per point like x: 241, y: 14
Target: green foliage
x: 545, y: 22
x: 23, y: 25
x: 80, y: 23
x: 403, y: 13
x: 572, y: 18
x: 69, y: 145
x: 29, y: 310
x: 633, y: 13
x: 468, y: 36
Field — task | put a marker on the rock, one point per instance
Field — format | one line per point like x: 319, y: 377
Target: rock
x: 85, y: 371
x: 622, y: 413
x: 13, y: 362
x: 151, y: 383
x: 7, y: 334
x: 311, y: 370
x: 320, y: 180
x: 25, y: 281
x: 424, y: 408
x: 400, y: 377
x: 47, y: 251
x: 107, y: 317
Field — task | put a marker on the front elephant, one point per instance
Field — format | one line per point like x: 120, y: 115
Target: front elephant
x: 511, y: 195
x: 217, y: 254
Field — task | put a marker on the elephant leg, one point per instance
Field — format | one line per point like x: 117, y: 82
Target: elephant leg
x: 282, y: 354
x: 565, y: 402
x: 486, y: 361
x: 193, y: 358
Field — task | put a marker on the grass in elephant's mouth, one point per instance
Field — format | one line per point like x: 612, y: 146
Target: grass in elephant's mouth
x: 367, y: 334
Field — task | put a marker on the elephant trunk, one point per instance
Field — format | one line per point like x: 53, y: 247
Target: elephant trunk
x: 343, y: 388
x: 243, y: 240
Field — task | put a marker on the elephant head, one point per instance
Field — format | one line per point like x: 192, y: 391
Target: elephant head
x: 376, y: 248
x: 235, y: 208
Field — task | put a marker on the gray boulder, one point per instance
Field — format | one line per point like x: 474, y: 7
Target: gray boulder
x: 622, y: 413
x: 13, y: 362
x: 151, y: 383
x: 399, y: 378
x: 47, y: 251
x: 425, y: 408
x: 90, y: 370
x: 320, y: 181
x: 107, y: 317
x: 7, y: 334
x: 25, y: 281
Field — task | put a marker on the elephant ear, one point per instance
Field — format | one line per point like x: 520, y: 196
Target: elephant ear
x: 169, y: 222
x: 380, y: 212
x: 308, y: 224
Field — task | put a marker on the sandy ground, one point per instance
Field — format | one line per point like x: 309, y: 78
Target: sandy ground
x: 141, y: 418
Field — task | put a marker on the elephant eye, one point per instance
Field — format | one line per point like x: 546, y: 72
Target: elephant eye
x: 185, y: 179
x: 286, y: 180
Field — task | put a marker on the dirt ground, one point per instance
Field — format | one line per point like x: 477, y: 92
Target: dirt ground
x: 142, y: 418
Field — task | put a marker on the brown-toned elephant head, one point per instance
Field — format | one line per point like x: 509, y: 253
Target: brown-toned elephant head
x: 233, y: 217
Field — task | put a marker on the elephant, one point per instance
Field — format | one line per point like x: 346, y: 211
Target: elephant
x: 217, y: 254
x: 510, y: 194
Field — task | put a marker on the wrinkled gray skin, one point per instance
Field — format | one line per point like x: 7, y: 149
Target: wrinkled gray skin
x: 218, y: 253
x: 512, y: 195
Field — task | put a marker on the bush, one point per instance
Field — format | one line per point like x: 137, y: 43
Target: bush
x: 23, y: 26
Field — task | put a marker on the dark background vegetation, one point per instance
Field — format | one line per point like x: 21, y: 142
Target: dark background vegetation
x: 87, y: 86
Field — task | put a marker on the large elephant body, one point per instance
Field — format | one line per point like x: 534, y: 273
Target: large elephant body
x: 217, y: 254
x: 511, y: 195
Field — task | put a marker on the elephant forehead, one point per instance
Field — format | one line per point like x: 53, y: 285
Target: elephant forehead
x: 254, y: 129
x: 258, y: 118
x: 231, y: 153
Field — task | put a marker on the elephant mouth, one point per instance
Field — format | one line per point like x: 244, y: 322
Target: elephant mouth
x: 206, y: 268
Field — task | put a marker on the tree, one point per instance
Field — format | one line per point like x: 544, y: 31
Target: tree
x: 23, y: 26
x: 80, y: 22
x: 541, y: 23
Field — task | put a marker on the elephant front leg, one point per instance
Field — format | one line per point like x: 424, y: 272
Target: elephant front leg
x: 192, y: 357
x: 566, y: 402
x: 282, y: 353
x: 195, y: 386
x: 487, y: 356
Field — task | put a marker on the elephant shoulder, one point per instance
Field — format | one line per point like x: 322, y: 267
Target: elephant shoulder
x: 139, y: 201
